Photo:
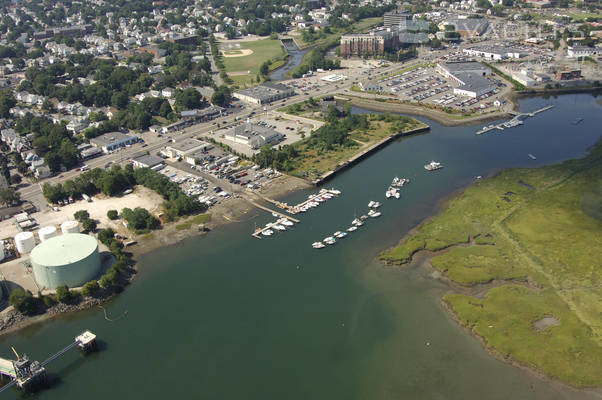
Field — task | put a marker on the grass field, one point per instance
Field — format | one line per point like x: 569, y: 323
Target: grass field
x: 263, y: 50
x: 539, y: 227
x: 314, y: 163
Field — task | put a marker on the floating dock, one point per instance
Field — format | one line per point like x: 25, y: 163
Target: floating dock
x: 28, y: 374
x: 517, y: 120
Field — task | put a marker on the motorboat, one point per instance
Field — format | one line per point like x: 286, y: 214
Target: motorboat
x: 279, y: 227
x: 286, y: 222
x: 339, y: 234
x: 433, y: 165
x: 375, y: 204
x: 357, y: 222
x: 374, y: 214
x: 318, y: 245
x: 330, y: 240
x: 335, y: 191
x: 364, y: 217
x: 267, y: 232
x: 371, y: 203
x: 352, y: 228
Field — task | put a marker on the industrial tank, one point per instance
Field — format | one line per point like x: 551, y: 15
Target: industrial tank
x: 70, y: 227
x: 24, y: 242
x: 47, y: 232
x: 71, y: 259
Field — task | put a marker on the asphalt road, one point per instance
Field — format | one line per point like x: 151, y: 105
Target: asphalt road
x: 153, y: 143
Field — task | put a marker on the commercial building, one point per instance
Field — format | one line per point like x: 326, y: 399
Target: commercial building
x: 185, y: 147
x: 264, y: 93
x: 148, y: 161
x: 524, y: 79
x: 470, y: 27
x: 396, y: 18
x: 471, y: 76
x: 112, y: 141
x: 254, y: 136
x: 582, y: 51
x: 568, y: 75
x: 71, y: 259
x: 494, y: 52
x: 373, y: 43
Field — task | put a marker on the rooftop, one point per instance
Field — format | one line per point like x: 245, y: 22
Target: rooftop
x: 110, y: 138
x: 64, y: 249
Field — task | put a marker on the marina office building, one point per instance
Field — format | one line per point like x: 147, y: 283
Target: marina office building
x: 471, y: 76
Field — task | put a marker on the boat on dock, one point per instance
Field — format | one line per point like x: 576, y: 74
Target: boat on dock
x: 267, y: 232
x: 485, y: 129
x: 357, y: 222
x: 279, y: 227
x: 318, y: 245
x: 352, y: 228
x: 532, y: 157
x: 433, y: 166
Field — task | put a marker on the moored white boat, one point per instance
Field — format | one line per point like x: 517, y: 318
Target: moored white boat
x: 433, y: 165
x: 318, y: 245
x: 374, y: 214
x: 267, y: 232
x: 352, y: 228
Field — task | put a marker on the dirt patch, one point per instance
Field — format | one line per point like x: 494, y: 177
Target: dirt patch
x: 545, y: 322
x: 236, y: 53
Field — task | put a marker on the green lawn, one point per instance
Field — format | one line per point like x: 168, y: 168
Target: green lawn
x: 547, y: 236
x: 263, y: 50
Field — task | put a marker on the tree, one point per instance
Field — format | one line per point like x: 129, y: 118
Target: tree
x: 23, y: 301
x: 265, y: 68
x: 89, y: 225
x: 105, y: 281
x: 7, y: 101
x: 188, y: 99
x: 90, y: 288
x: 81, y: 215
x: 222, y: 96
x: 9, y: 196
x: 63, y: 294
x: 112, y: 214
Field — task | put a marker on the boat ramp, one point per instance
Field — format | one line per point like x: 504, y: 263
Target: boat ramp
x: 517, y: 120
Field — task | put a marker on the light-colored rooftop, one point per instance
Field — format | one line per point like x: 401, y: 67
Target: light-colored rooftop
x: 64, y: 249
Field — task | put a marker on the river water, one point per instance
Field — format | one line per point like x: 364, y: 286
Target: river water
x: 293, y: 61
x: 232, y: 317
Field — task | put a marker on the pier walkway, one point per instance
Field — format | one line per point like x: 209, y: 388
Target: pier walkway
x: 515, y: 121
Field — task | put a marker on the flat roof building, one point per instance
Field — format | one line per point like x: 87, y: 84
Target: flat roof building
x: 396, y: 17
x: 112, y: 141
x: 264, y: 93
x: 471, y: 76
x: 254, y: 136
x: 148, y: 161
x: 494, y: 52
x: 185, y: 147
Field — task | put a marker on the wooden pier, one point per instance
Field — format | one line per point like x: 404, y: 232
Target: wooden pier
x: 515, y: 121
x: 258, y: 231
x: 295, y: 209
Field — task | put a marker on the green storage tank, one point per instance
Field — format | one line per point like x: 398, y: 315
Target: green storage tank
x: 71, y: 259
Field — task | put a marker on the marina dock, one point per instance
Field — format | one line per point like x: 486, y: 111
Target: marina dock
x: 517, y: 120
x: 27, y: 374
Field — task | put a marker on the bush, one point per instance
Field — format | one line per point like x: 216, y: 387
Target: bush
x: 105, y: 281
x: 90, y: 288
x: 89, y: 225
x: 81, y: 215
x: 63, y: 294
x: 23, y: 301
x: 112, y: 214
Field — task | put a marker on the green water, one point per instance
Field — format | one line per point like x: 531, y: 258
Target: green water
x: 233, y: 317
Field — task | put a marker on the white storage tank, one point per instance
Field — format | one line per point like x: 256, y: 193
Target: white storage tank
x: 47, y: 232
x: 70, y: 227
x: 24, y: 242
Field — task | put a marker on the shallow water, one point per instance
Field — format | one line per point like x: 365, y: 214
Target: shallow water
x: 232, y: 317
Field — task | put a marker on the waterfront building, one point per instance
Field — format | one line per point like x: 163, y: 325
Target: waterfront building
x: 471, y: 76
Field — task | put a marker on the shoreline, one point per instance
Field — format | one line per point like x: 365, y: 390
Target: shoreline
x: 436, y: 115
x: 222, y: 214
x: 421, y: 259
